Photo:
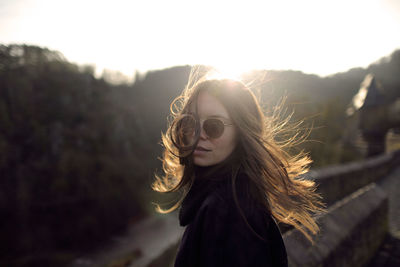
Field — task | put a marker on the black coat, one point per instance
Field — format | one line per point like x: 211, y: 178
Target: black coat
x: 217, y: 235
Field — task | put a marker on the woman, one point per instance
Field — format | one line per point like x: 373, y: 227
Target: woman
x: 236, y: 179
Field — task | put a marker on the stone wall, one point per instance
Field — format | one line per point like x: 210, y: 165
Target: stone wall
x: 350, y: 232
x: 356, y: 221
x: 337, y: 182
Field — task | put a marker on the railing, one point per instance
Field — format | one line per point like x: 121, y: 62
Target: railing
x: 357, y: 219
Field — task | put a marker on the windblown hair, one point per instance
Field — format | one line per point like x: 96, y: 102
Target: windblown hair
x: 276, y: 176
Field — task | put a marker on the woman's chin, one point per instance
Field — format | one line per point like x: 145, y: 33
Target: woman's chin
x: 202, y: 162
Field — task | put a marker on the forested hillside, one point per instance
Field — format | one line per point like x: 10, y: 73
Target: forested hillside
x: 71, y: 157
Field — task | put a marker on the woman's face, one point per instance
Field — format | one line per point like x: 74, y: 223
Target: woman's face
x: 211, y: 151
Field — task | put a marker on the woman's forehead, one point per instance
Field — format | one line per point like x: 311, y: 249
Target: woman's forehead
x: 209, y: 106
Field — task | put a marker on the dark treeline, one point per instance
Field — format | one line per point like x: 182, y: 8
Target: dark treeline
x: 77, y: 154
x: 72, y: 170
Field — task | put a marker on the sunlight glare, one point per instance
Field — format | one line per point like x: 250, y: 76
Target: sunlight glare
x: 227, y: 72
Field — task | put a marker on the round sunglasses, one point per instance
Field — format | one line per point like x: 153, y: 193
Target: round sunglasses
x: 213, y: 127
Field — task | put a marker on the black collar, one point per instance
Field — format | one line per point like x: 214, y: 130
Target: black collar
x: 207, y: 179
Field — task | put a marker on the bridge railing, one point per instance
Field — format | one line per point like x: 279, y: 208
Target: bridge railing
x: 337, y: 182
x: 356, y: 222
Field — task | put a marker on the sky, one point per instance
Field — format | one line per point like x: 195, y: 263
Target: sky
x: 313, y: 36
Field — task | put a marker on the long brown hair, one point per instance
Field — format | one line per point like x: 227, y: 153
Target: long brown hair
x: 275, y: 175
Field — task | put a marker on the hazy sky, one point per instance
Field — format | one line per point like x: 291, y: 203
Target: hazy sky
x: 321, y: 37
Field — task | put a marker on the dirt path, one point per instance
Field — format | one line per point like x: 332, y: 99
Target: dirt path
x: 145, y: 240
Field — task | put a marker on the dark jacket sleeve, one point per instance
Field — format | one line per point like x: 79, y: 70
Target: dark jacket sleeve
x: 219, y: 236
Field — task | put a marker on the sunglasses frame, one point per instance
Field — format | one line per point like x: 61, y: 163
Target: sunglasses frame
x: 203, y: 124
x: 179, y: 134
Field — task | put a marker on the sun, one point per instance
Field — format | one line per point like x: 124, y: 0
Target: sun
x: 224, y: 71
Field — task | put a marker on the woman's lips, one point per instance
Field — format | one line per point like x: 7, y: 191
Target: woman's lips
x: 200, y: 151
x: 201, y: 148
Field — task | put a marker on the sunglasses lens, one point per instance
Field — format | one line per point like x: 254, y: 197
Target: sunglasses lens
x: 185, y: 129
x: 214, y: 128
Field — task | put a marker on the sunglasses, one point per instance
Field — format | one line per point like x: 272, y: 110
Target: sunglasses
x: 213, y: 127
